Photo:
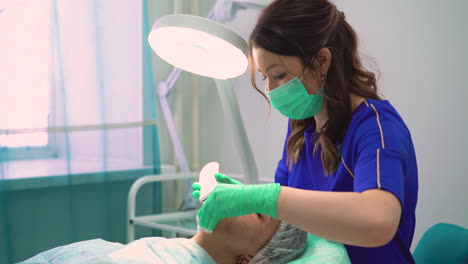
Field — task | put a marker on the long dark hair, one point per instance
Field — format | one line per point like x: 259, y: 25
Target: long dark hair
x: 301, y: 28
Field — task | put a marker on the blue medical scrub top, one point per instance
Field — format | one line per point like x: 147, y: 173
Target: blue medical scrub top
x: 376, y: 153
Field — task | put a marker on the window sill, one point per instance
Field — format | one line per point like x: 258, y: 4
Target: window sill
x: 31, y: 174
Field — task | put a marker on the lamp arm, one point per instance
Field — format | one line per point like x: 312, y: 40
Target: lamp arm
x: 170, y: 82
x: 237, y: 128
x: 179, y: 152
x: 225, y: 10
x: 189, y: 201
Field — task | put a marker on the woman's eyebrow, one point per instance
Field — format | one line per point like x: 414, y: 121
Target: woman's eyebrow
x: 269, y: 67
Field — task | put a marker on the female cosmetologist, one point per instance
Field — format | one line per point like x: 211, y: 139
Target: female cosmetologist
x: 348, y: 172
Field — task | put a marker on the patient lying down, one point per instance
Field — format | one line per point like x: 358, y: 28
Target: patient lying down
x: 245, y: 239
x: 251, y: 238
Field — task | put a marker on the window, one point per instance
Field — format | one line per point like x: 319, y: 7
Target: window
x: 25, y: 70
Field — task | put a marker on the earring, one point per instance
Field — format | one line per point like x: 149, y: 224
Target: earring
x: 324, y: 76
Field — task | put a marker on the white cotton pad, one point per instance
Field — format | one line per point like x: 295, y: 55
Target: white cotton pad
x: 207, y: 180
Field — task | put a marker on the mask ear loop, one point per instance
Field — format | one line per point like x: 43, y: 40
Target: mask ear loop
x: 323, y: 78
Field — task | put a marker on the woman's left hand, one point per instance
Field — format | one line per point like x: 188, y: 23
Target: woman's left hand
x: 229, y: 200
x: 220, y: 178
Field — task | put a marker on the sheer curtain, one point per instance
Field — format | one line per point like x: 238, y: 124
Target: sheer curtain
x: 77, y: 122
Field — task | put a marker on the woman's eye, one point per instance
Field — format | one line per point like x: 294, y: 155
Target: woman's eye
x: 280, y: 77
x: 264, y: 77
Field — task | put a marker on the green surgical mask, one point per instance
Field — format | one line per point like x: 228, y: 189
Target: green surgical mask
x: 293, y: 100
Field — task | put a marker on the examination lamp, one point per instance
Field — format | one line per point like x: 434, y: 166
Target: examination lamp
x: 199, y: 45
x: 205, y: 47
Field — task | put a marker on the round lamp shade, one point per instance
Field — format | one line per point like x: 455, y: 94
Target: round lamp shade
x: 199, y: 45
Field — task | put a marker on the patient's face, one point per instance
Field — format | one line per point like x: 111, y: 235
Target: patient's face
x: 250, y: 232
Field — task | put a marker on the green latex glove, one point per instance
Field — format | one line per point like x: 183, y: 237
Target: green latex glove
x: 220, y: 178
x: 196, y: 187
x: 229, y: 200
